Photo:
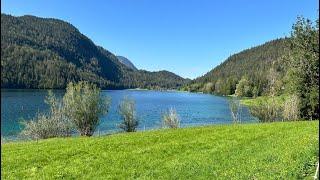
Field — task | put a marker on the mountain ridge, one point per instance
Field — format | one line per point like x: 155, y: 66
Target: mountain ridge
x: 127, y: 62
x: 252, y: 63
x: 49, y: 53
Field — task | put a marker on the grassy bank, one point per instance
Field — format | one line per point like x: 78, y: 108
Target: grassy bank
x: 263, y: 151
x: 279, y: 100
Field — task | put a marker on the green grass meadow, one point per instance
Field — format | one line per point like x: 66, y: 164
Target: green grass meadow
x: 284, y: 150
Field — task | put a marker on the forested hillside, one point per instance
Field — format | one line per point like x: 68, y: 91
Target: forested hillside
x: 251, y: 65
x: 49, y: 53
x: 287, y: 67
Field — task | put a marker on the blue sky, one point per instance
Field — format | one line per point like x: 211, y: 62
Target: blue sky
x: 187, y: 37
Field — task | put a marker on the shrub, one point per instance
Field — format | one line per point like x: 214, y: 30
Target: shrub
x: 235, y: 109
x: 171, y: 119
x: 267, y: 111
x: 255, y: 92
x: 128, y: 112
x: 84, y: 106
x: 291, y: 108
x: 208, y: 87
x: 243, y: 88
x: 48, y: 125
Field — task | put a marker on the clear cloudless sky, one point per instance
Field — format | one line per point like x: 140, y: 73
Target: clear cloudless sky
x: 187, y: 37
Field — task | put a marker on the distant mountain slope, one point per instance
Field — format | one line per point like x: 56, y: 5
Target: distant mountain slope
x: 164, y: 78
x: 49, y: 53
x: 126, y: 62
x: 253, y: 63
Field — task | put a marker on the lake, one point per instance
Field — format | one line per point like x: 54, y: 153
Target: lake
x: 193, y: 108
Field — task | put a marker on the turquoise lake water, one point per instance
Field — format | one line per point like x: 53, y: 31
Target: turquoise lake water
x: 193, y: 108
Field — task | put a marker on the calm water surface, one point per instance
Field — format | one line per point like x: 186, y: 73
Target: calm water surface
x: 193, y: 108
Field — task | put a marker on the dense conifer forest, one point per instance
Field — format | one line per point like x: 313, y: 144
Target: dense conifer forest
x: 251, y: 66
x: 49, y: 53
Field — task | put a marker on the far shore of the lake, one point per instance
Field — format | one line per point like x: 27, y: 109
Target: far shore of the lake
x: 129, y: 89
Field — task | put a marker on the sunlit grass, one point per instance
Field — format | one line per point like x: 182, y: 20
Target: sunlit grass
x: 254, y: 151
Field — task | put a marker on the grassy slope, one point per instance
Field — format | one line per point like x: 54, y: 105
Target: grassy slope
x: 263, y: 151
